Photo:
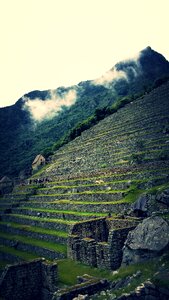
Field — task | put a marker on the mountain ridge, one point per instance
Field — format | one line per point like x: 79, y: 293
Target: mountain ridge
x: 23, y: 137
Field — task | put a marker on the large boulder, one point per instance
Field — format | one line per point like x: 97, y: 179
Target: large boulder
x: 147, y: 240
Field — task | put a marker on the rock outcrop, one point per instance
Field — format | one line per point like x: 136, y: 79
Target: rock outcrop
x: 147, y: 240
x: 163, y: 197
x: 140, y: 206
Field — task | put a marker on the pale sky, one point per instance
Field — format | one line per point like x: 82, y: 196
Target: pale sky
x: 49, y: 43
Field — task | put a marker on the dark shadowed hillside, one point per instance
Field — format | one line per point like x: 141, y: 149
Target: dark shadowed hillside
x: 41, y: 118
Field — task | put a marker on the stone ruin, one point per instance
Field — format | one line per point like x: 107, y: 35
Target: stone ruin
x: 29, y: 280
x: 99, y: 242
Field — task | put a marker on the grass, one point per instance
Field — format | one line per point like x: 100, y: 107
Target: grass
x: 102, y: 184
x: 22, y: 254
x: 82, y: 193
x: 40, y: 230
x: 35, y: 242
x: 109, y: 175
x: 69, y: 270
x: 61, y: 221
x: 133, y: 194
x: 77, y: 202
x: 123, y: 133
x: 149, y: 270
x: 67, y: 212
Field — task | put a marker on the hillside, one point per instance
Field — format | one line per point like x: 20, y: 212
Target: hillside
x: 99, y: 174
x: 136, y: 135
x: 103, y: 202
x: 26, y: 130
x: 105, y: 189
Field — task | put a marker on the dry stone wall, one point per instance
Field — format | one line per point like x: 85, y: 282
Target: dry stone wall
x: 97, y: 244
x: 29, y: 281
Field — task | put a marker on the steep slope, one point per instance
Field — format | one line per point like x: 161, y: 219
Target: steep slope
x: 99, y: 174
x: 40, y: 118
x: 135, y: 135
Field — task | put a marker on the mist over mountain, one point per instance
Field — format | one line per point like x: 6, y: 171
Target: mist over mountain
x: 40, y: 118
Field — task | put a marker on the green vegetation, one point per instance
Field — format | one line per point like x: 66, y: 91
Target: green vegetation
x: 133, y: 194
x: 31, y: 241
x: 36, y: 229
x: 22, y: 254
x: 67, y: 212
x: 99, y: 114
x: 97, y: 101
x: 81, y: 193
x: 77, y: 269
x: 142, y: 172
x: 147, y: 269
x: 61, y: 221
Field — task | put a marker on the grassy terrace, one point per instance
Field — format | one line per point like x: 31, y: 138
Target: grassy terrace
x: 125, y: 135
x: 81, y: 193
x: 89, y: 202
x: 61, y: 221
x: 116, y: 153
x: 131, y: 197
x: 83, y: 185
x: 116, y: 150
x: 35, y: 242
x: 36, y: 229
x: 22, y: 254
x: 72, y: 150
x: 114, y: 129
x: 66, y: 212
x: 142, y: 171
x: 127, y: 155
x: 133, y: 193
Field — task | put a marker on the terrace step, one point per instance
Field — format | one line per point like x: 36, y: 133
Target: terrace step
x: 34, y: 232
x: 57, y: 214
x: 43, y: 248
x: 11, y: 255
x: 57, y: 224
x: 83, y: 196
x: 97, y: 186
x: 81, y: 206
x: 114, y: 176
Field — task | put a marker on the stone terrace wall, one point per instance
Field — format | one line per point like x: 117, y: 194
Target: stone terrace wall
x: 116, y: 242
x: 83, y: 250
x: 94, y: 229
x: 29, y: 281
x: 90, y: 287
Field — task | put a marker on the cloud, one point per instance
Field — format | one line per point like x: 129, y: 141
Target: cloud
x: 110, y: 76
x: 47, y: 109
x: 126, y: 69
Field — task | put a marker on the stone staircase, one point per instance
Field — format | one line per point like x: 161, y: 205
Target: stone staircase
x: 99, y: 174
